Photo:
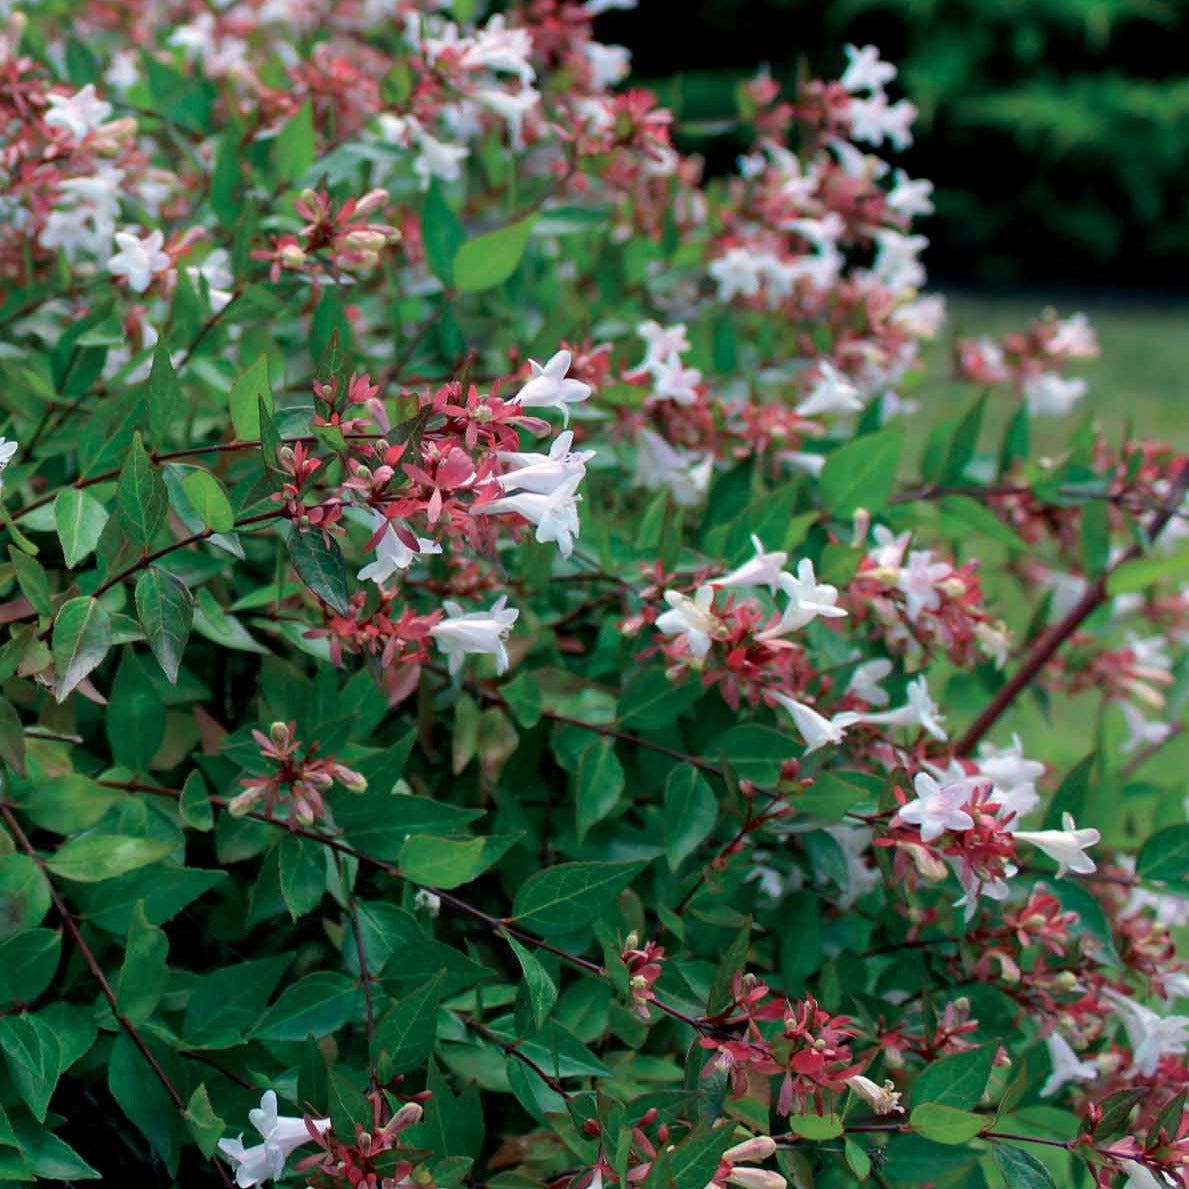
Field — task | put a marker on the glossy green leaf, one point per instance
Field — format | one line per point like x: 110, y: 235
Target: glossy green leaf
x: 564, y: 898
x: 165, y: 608
x: 490, y: 259
x: 81, y: 639
x: 141, y: 499
x: 209, y: 500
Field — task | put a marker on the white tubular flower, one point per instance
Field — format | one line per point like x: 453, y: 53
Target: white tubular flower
x: 919, y: 711
x: 1139, y: 1177
x: 7, y: 451
x: 1074, y: 338
x: 438, y: 159
x: 918, y: 583
x: 282, y: 1135
x: 609, y: 64
x: 511, y: 107
x: 1067, y: 1066
x: 864, y: 70
x: 739, y: 273
x: 475, y: 632
x: 1142, y: 732
x: 833, y: 393
x: 910, y: 198
x: 758, y: 1148
x: 661, y: 344
x: 544, y: 473
x: 864, y: 682
x: 392, y: 553
x: 1051, y: 395
x: 497, y: 47
x: 816, y: 730
x: 762, y: 570
x: 1152, y: 1036
x: 79, y: 114
x: 676, y: 382
x: 549, y: 388
x: 429, y: 902
x: 139, y: 260
x: 1065, y: 846
x: 555, y: 514
x: 658, y: 464
x: 884, y: 1100
x: 691, y: 618
x: 808, y: 599
x: 938, y: 808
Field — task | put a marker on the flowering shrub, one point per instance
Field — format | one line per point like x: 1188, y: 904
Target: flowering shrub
x: 491, y: 696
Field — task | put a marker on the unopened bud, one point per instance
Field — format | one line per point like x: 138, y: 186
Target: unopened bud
x: 632, y: 941
x: 372, y: 201
x: 292, y: 256
x: 280, y: 734
x: 352, y: 781
x: 408, y: 1115
x: 952, y: 586
x: 241, y: 805
x: 759, y: 1147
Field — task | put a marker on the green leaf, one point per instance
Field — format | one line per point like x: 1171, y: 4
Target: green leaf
x: 755, y: 753
x: 540, y: 989
x: 1116, y: 1113
x: 491, y: 259
x: 691, y: 811
x: 1096, y: 537
x: 406, y: 1033
x: 959, y: 515
x: 957, y: 1081
x: 693, y: 1162
x: 205, y: 1126
x: 143, y: 1098
x: 225, y: 1004
x: 651, y: 700
x: 1142, y: 572
x: 293, y: 151
x: 1164, y: 857
x: 12, y: 737
x: 210, y: 501
x: 32, y: 1056
x: 33, y: 581
x: 945, y: 1124
x: 81, y: 639
x: 862, y: 473
x: 141, y: 499
x: 445, y: 862
x: 194, y: 805
x: 1021, y: 1170
x: 599, y: 783
x: 732, y: 962
x: 164, y: 392
x: 96, y: 857
x: 317, y: 1005
x: 144, y: 975
x: 28, y: 963
x: 24, y: 895
x: 566, y: 897
x: 51, y: 1158
x: 302, y: 867
x: 319, y: 564
x: 817, y: 1127
x: 165, y: 608
x: 441, y: 233
x: 135, y: 719
x: 247, y: 392
x: 412, y: 966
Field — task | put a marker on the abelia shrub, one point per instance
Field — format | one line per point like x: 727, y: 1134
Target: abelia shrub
x: 508, y: 680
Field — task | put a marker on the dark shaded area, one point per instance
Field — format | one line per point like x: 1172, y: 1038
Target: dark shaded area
x: 1056, y: 131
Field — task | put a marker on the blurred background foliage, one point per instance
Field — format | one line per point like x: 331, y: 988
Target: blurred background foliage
x: 1056, y: 131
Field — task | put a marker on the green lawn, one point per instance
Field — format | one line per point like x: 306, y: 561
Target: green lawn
x: 1142, y: 376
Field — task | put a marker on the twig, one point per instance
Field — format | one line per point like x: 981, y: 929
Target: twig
x: 88, y: 957
x: 1050, y: 640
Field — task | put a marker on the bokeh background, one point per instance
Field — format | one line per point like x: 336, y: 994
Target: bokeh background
x: 1056, y: 132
